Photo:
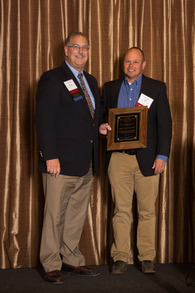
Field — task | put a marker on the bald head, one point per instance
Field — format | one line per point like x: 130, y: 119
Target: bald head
x: 133, y: 64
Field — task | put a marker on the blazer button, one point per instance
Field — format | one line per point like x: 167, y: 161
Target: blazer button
x: 91, y: 141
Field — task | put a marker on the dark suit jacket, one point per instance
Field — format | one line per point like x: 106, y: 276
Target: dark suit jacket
x: 159, y: 128
x: 65, y: 128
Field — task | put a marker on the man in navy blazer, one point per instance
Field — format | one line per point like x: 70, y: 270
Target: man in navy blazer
x: 66, y: 119
x: 137, y: 170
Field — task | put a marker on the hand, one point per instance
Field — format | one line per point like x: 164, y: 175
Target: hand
x: 104, y: 128
x: 159, y: 166
x: 53, y: 167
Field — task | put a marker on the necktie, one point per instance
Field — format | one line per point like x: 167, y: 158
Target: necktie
x: 87, y: 97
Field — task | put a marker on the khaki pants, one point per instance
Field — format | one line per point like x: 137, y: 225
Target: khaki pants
x: 66, y: 207
x: 125, y: 178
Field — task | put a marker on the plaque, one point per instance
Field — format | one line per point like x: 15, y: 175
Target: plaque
x: 129, y: 128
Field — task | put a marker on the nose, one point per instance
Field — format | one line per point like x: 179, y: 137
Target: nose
x: 80, y: 49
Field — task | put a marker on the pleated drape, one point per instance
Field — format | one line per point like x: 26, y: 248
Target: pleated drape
x: 32, y: 34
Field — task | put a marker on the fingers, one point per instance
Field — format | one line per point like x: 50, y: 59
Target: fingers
x: 104, y: 128
x: 53, y: 173
x: 159, y: 166
x: 53, y: 167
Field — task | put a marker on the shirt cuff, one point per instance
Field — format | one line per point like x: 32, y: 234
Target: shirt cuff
x: 164, y: 158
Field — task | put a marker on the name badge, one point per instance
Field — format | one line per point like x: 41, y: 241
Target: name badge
x: 73, y: 89
x: 144, y: 101
x: 70, y: 84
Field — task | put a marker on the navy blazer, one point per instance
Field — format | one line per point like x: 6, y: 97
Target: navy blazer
x: 65, y: 128
x: 159, y: 126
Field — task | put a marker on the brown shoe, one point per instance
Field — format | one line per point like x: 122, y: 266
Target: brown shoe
x: 147, y: 267
x: 119, y: 267
x: 53, y: 277
x: 80, y: 270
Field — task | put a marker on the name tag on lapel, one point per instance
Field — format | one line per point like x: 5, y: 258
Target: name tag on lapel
x: 144, y: 101
x: 73, y: 90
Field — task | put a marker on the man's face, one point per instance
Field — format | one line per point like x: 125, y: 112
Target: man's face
x: 77, y: 57
x: 133, y: 65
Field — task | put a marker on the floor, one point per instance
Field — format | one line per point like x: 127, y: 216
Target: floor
x: 168, y: 278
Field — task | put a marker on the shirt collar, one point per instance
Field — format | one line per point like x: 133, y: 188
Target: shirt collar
x: 74, y: 71
x: 137, y: 82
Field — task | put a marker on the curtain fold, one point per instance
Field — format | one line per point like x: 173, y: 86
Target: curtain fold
x: 32, y: 35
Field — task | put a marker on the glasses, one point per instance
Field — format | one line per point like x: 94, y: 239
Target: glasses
x: 77, y: 47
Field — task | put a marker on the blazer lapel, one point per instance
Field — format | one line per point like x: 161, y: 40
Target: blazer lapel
x: 144, y: 85
x: 70, y: 75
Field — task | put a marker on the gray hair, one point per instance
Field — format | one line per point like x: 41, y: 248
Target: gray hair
x: 68, y: 39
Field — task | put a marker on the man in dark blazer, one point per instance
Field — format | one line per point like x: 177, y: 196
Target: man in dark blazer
x: 137, y: 170
x: 66, y: 119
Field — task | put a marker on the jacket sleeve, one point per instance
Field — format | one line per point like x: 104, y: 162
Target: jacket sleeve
x: 164, y: 122
x: 104, y: 105
x: 47, y: 102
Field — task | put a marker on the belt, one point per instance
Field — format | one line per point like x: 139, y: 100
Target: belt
x: 129, y: 152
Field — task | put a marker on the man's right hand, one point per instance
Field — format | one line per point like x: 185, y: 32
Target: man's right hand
x: 53, y: 167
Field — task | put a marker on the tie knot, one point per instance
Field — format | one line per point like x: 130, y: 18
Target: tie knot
x: 80, y: 75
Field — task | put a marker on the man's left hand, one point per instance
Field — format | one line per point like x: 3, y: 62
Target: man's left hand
x: 159, y: 166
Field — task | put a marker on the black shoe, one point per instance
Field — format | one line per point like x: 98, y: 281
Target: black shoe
x: 119, y: 267
x: 53, y: 277
x: 80, y: 270
x: 147, y: 267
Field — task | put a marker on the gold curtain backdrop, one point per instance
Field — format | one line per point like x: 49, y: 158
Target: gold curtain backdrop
x: 32, y: 34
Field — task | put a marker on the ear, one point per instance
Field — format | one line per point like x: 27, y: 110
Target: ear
x: 143, y: 65
x: 66, y: 50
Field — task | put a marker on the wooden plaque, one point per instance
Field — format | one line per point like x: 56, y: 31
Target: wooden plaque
x: 129, y: 128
